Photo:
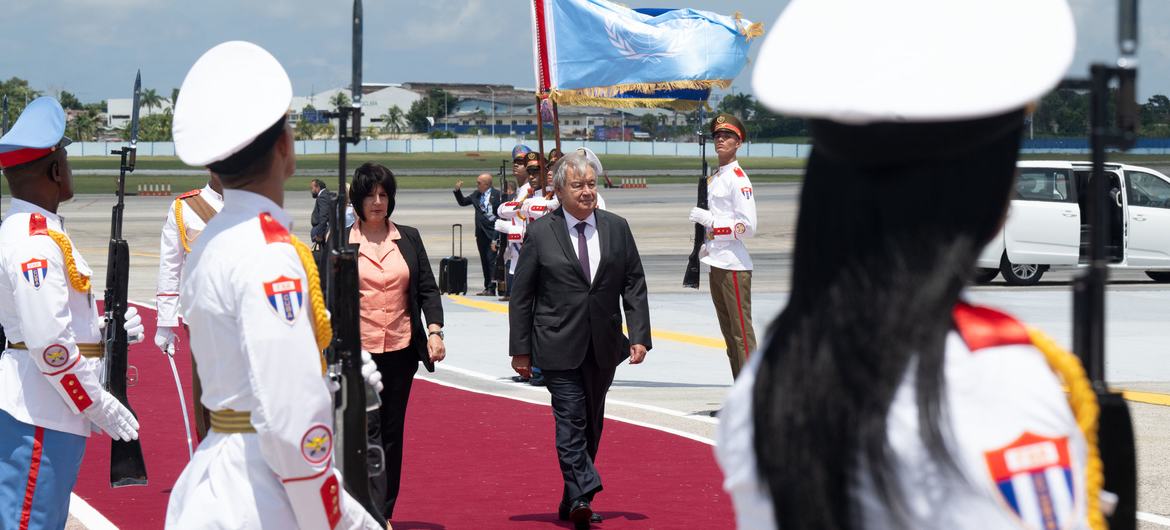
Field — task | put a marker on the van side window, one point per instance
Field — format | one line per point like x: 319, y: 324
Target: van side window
x: 1049, y: 185
x: 1147, y: 190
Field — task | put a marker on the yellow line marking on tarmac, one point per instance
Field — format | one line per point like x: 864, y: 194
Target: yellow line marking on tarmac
x: 1151, y: 398
x: 84, y: 251
x: 697, y: 340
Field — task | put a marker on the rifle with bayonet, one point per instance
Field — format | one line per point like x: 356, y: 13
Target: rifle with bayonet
x: 1114, y: 426
x: 127, y: 467
x: 691, y: 276
x: 3, y: 131
x: 501, y: 269
x: 357, y: 459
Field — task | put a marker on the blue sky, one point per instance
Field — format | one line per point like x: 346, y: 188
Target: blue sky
x: 92, y: 47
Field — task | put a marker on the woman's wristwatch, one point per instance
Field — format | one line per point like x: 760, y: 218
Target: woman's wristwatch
x: 439, y: 333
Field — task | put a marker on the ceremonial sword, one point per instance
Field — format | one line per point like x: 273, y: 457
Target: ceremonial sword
x: 182, y: 400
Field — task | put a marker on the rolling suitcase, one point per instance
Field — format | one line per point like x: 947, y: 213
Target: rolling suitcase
x: 453, y: 268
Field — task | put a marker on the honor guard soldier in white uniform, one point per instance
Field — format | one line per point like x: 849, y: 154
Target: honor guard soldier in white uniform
x: 186, y: 219
x: 252, y: 300
x: 881, y: 399
x: 49, y: 388
x: 730, y: 219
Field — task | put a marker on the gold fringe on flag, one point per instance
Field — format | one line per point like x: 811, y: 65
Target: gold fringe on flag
x: 645, y: 88
x: 580, y: 100
x: 753, y: 30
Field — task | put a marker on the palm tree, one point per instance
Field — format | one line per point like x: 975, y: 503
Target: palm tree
x: 393, y: 120
x: 174, y: 99
x: 85, y: 125
x: 339, y: 100
x: 737, y: 104
x: 150, y: 99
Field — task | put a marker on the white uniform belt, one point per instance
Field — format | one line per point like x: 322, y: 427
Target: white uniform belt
x: 230, y: 421
x: 92, y: 351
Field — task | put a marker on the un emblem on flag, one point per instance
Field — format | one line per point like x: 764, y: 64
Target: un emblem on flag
x: 1034, y: 477
x: 285, y: 298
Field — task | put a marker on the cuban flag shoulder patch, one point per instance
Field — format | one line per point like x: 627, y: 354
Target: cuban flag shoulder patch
x: 34, y: 271
x: 1033, y: 475
x: 285, y: 298
x: 746, y: 191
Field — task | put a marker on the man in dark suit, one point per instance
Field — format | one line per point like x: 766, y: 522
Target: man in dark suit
x: 578, y: 270
x: 486, y: 199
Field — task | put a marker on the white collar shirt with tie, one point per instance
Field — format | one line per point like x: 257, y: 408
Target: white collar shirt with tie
x: 485, y: 204
x: 592, y: 242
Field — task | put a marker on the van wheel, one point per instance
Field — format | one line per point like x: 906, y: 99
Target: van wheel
x: 1159, y: 276
x: 1020, y: 273
x: 984, y: 276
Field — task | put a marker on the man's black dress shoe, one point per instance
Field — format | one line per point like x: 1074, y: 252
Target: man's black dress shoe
x: 564, y: 513
x: 519, y: 379
x: 537, y: 380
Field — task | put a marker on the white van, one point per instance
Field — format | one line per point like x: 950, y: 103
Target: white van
x: 1046, y: 227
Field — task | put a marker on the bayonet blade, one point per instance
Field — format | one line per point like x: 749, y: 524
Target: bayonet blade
x: 134, y: 111
x: 356, y: 88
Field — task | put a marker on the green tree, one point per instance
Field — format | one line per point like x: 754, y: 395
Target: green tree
x: 649, y: 124
x: 19, y: 94
x: 84, y: 126
x: 437, y: 103
x: 339, y: 100
x: 1155, y: 116
x: 150, y: 99
x: 69, y: 101
x: 393, y: 120
x: 739, y: 105
x: 174, y: 97
x: 152, y: 128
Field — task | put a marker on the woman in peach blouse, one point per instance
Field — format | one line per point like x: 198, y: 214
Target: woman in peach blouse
x: 397, y: 289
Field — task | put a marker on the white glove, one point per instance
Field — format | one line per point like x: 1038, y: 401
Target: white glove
x: 535, y: 214
x: 135, y: 332
x: 354, y: 516
x: 503, y: 226
x: 703, y: 217
x: 165, y: 338
x: 370, y: 372
x: 112, y: 418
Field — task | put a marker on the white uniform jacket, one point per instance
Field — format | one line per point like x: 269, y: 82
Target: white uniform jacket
x: 49, y: 383
x: 172, y: 254
x: 731, y: 201
x: 1014, y: 438
x: 512, y: 222
x: 246, y: 299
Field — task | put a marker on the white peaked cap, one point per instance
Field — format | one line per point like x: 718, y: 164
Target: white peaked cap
x: 864, y: 61
x: 234, y: 92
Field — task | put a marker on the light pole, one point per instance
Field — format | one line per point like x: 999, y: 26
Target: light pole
x: 446, y: 121
x: 493, y: 109
x: 511, y: 114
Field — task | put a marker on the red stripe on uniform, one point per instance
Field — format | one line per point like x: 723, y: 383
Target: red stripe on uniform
x: 739, y: 306
x: 21, y: 156
x: 34, y: 469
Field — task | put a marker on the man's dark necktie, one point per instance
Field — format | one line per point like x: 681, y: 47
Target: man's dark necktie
x: 583, y: 250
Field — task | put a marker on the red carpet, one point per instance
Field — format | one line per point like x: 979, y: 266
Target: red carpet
x: 472, y: 461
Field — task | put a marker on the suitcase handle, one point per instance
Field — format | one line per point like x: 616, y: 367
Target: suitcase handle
x: 460, y: 254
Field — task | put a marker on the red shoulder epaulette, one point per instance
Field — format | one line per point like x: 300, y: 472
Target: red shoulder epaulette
x: 38, y: 225
x: 189, y: 194
x: 983, y: 327
x: 274, y: 232
x: 739, y: 172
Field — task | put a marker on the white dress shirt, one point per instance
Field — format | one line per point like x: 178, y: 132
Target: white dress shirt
x: 591, y: 240
x: 733, y: 206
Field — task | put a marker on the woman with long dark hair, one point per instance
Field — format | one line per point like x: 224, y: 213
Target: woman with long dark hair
x: 881, y: 399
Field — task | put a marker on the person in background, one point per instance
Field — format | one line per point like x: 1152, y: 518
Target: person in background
x: 186, y: 220
x: 730, y: 218
x: 486, y: 199
x: 324, y: 203
x: 881, y: 398
x: 397, y: 290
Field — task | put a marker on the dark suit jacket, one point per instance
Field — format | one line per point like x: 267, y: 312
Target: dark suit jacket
x: 484, y: 224
x: 322, y: 209
x: 424, y: 293
x: 555, y: 312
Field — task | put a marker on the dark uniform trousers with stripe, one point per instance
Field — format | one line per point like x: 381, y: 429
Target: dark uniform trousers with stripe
x: 731, y: 291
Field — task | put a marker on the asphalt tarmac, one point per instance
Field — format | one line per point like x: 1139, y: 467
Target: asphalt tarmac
x: 686, y: 375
